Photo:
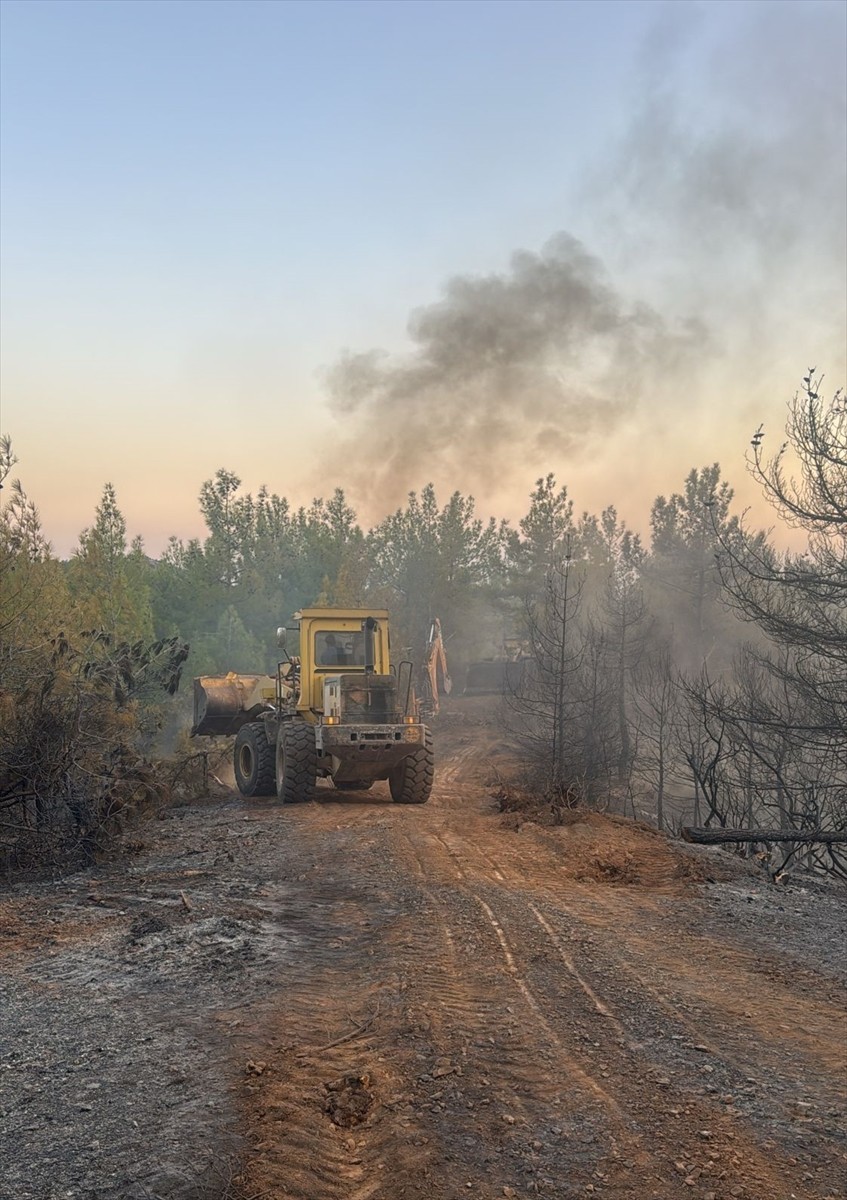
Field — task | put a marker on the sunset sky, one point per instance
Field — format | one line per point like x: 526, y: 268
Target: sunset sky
x: 213, y: 212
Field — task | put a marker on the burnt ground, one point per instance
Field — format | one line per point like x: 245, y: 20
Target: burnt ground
x: 359, y: 1001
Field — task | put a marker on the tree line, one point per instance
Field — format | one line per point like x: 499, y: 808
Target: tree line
x: 698, y: 675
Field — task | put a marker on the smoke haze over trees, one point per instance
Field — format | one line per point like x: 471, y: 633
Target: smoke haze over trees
x: 700, y: 676
x: 698, y: 252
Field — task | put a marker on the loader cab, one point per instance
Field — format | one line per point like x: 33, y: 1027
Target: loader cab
x: 336, y: 641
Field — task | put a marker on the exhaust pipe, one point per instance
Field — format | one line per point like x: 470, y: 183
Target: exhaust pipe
x: 369, y: 628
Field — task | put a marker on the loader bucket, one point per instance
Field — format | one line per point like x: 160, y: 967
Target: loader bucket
x: 223, y: 703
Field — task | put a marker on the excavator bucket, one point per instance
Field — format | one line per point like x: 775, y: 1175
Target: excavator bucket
x: 223, y: 703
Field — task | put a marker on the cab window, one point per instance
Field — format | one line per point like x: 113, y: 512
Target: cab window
x: 339, y: 648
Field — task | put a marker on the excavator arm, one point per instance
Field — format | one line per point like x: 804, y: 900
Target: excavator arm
x: 437, y: 676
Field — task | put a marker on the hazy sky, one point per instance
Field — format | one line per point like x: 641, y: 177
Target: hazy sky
x: 601, y: 239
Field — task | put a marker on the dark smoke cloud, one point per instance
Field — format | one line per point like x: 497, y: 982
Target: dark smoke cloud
x: 508, y: 373
x: 722, y: 207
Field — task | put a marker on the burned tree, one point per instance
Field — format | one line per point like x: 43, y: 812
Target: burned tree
x: 656, y: 702
x: 800, y: 600
x: 541, y: 707
x: 785, y: 712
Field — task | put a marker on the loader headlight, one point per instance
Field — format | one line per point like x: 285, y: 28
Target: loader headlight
x: 330, y: 720
x: 409, y: 720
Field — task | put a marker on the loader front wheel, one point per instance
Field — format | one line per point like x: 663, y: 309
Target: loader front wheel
x: 253, y: 757
x: 411, y: 780
x: 296, y: 762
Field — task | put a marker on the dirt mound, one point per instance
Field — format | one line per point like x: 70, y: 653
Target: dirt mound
x: 349, y: 1100
x: 601, y: 848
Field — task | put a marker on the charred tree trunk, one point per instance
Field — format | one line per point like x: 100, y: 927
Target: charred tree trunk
x: 719, y: 837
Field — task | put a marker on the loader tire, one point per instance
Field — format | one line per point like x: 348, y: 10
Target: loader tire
x: 411, y: 780
x: 255, y: 773
x: 296, y: 762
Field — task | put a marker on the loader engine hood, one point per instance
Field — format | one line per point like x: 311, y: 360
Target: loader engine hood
x: 361, y: 699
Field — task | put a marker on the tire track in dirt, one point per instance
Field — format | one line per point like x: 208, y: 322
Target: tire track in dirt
x: 694, y: 966
x: 455, y: 1009
x: 716, y: 994
x: 467, y: 853
x: 335, y: 1025
x: 511, y: 1025
x: 473, y: 1005
x: 590, y: 1084
x: 721, y: 1131
x: 575, y: 1070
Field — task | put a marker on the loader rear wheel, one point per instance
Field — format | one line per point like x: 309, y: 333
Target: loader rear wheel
x: 411, y: 780
x: 253, y: 757
x: 296, y: 762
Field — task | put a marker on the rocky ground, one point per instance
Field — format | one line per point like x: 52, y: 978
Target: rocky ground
x: 355, y: 1000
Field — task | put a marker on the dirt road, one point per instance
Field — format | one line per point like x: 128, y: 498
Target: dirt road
x: 359, y: 1000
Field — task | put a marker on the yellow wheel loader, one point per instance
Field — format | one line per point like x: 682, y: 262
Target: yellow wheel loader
x: 335, y: 710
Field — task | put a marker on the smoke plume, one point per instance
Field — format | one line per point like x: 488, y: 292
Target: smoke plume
x: 720, y: 213
x: 506, y: 370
